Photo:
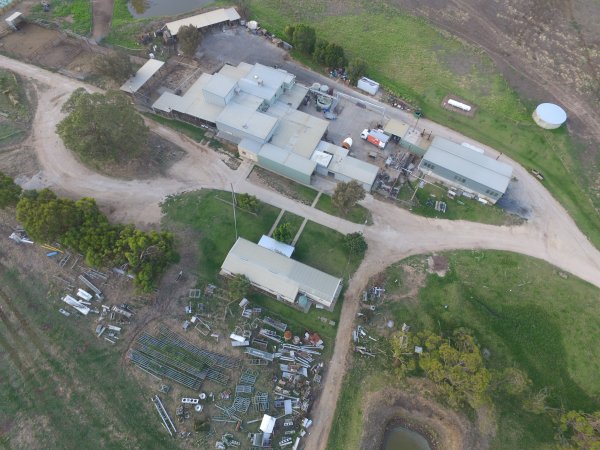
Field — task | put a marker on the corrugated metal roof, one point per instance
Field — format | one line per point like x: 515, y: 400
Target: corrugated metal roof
x: 468, y: 163
x: 204, y: 20
x: 140, y: 78
x: 279, y: 274
x: 220, y: 85
x: 299, y: 132
x: 247, y: 120
x: 321, y: 158
x: 264, y: 81
x: 289, y: 159
x: 396, y: 128
x: 276, y: 246
x: 191, y: 103
x: 250, y: 146
x: 346, y: 165
x: 356, y: 169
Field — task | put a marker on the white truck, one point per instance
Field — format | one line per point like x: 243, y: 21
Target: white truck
x: 375, y: 137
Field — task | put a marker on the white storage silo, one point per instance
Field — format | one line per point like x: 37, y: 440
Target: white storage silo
x: 549, y: 116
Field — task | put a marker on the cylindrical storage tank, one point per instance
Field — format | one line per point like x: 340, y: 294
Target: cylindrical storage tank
x: 316, y: 87
x: 549, y: 116
x: 324, y: 89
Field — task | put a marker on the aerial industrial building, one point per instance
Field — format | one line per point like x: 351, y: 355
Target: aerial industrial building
x: 466, y: 169
x: 256, y: 107
x: 286, y: 279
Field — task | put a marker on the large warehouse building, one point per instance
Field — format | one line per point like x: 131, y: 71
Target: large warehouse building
x: 466, y: 169
x: 281, y: 276
x: 256, y: 107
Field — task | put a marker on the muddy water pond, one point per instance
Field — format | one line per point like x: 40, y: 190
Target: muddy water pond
x: 153, y: 8
x: 401, y: 438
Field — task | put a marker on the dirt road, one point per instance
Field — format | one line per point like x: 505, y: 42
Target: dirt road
x: 550, y: 235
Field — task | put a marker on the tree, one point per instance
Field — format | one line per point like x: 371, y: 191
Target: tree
x: 147, y: 254
x: 283, y: 233
x: 248, y: 202
x: 579, y: 430
x: 101, y: 127
x: 189, y: 38
x: 239, y: 286
x: 334, y: 56
x: 346, y: 195
x: 512, y: 381
x: 320, y: 52
x: 304, y: 38
x: 357, y: 69
x: 9, y: 191
x: 289, y: 32
x: 115, y: 65
x: 456, y: 366
x: 355, y: 243
x: 45, y: 216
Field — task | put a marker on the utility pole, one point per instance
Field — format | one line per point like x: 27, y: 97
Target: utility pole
x: 234, y: 216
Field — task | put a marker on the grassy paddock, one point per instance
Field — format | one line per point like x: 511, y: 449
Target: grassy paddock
x: 125, y: 29
x: 73, y: 15
x: 416, y: 61
x: 73, y: 388
x: 524, y: 312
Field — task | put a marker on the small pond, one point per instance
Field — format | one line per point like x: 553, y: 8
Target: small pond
x: 401, y: 438
x: 153, y: 8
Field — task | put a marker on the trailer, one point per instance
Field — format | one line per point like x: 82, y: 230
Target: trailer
x: 375, y: 137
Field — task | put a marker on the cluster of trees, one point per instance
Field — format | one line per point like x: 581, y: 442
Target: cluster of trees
x: 189, y: 38
x: 82, y: 227
x: 454, y: 364
x: 9, y: 191
x: 304, y: 39
x: 102, y: 127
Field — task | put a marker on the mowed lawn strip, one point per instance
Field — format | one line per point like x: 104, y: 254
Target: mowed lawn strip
x: 356, y: 214
x: 414, y: 60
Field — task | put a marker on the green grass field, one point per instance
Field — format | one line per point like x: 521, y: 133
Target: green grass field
x: 294, y: 221
x: 357, y: 214
x: 73, y: 15
x: 416, y: 61
x: 526, y: 314
x: 61, y: 386
x: 212, y: 220
x: 457, y: 209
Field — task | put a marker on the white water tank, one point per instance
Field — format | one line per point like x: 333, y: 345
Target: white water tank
x: 549, y: 116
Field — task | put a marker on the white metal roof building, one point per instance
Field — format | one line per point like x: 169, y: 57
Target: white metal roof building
x: 142, y: 76
x: 333, y: 160
x: 279, y: 275
x: 466, y: 169
x: 204, y: 20
x: 276, y: 246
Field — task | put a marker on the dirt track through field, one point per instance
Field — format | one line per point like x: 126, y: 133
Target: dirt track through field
x: 550, y: 235
x: 102, y: 11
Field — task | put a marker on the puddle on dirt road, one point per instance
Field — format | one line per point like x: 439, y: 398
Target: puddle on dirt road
x: 153, y: 8
x: 401, y: 438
